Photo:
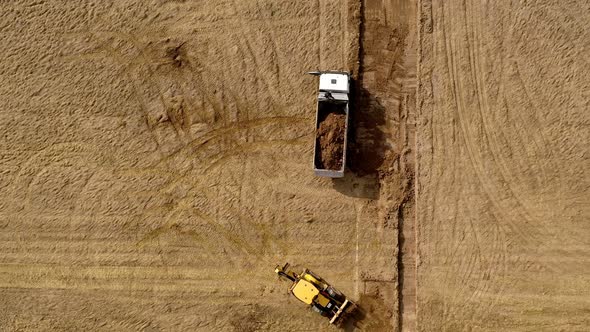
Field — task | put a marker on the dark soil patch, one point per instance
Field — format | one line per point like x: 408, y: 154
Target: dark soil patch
x: 330, y: 139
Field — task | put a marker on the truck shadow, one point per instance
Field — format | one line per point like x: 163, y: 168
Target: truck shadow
x: 367, y: 146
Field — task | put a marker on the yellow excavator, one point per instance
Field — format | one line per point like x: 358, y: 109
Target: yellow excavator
x: 318, y: 294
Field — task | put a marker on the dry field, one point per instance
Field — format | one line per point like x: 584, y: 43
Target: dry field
x: 156, y: 164
x: 503, y: 195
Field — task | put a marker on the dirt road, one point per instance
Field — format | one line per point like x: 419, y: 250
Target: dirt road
x: 386, y: 128
x: 503, y: 191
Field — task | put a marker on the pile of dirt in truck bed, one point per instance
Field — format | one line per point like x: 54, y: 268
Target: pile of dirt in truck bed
x: 330, y: 136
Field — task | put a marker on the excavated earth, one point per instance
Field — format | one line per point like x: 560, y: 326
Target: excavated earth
x: 330, y: 140
x: 156, y: 164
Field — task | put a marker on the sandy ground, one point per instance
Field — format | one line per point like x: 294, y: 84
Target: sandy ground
x: 503, y: 182
x: 156, y: 164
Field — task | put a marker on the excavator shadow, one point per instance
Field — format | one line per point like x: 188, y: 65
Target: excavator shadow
x: 354, y: 320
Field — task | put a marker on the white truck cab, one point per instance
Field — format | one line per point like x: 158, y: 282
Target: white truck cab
x: 334, y: 88
x: 335, y: 82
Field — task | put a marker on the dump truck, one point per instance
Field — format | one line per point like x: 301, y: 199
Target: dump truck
x: 332, y: 114
x: 320, y: 296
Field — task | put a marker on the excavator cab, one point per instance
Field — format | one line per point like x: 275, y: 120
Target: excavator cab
x: 320, y: 296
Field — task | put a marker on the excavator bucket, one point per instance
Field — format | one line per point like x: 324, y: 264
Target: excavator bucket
x: 346, y: 308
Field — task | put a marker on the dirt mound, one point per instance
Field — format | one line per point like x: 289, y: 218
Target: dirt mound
x: 371, y: 314
x: 330, y: 136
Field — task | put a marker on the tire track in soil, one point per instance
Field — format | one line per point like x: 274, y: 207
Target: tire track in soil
x: 239, y: 148
x: 478, y: 262
x: 231, y: 233
x: 143, y: 63
x: 44, y: 158
x: 153, y: 84
x: 519, y: 211
x: 496, y: 252
x: 229, y: 128
x: 463, y: 273
x: 225, y: 130
x: 101, y: 194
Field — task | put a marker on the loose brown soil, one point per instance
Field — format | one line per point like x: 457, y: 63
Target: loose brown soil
x: 330, y: 136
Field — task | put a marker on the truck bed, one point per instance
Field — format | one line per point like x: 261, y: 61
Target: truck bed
x: 331, y: 137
